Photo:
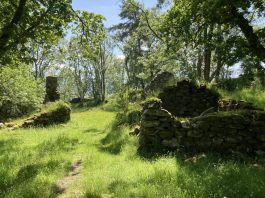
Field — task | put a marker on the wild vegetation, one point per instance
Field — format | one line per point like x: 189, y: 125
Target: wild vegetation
x: 87, y: 141
x: 33, y: 161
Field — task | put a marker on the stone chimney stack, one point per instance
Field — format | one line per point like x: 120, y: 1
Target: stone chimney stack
x: 52, y: 93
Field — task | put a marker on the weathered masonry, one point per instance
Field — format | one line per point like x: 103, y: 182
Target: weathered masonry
x: 234, y: 126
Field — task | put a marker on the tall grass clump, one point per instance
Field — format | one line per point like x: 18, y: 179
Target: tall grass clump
x: 256, y: 96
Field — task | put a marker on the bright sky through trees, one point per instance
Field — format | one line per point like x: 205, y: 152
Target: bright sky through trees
x: 108, y: 8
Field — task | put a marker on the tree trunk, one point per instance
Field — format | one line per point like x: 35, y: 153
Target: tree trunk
x: 216, y: 74
x: 207, y: 52
x: 199, y: 65
x: 8, y: 30
x: 103, y: 94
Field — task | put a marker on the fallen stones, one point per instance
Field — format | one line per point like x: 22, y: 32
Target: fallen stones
x: 57, y: 113
x: 231, y: 105
x: 136, y: 131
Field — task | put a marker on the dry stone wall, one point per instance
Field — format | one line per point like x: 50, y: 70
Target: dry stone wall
x: 157, y: 124
x: 193, y: 118
x: 186, y: 99
x: 225, y: 132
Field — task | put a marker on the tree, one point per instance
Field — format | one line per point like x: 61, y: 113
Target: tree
x: 126, y: 33
x: 218, y: 31
x: 44, y: 55
x: 19, y: 92
x: 24, y: 20
x: 89, y: 53
x: 101, y: 64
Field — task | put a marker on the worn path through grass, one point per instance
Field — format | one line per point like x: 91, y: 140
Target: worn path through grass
x: 89, y: 158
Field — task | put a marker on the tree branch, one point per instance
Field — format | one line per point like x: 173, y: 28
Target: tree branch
x: 148, y: 23
x: 8, y: 30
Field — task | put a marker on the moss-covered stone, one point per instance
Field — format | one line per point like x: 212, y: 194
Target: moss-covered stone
x: 53, y: 113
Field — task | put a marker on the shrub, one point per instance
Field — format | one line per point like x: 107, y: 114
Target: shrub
x: 122, y: 100
x: 232, y: 84
x: 20, y: 93
x: 130, y: 118
x: 52, y: 113
x: 133, y: 117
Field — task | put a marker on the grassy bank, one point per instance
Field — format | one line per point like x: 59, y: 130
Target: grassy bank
x: 33, y: 161
x: 256, y: 96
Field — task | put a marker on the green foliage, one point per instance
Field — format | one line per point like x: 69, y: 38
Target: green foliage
x: 133, y: 117
x: 152, y: 99
x: 208, y: 36
x: 129, y: 118
x: 24, y: 20
x: 122, y: 100
x: 231, y: 84
x: 257, y: 84
x: 33, y: 161
x: 88, y: 55
x: 20, y: 93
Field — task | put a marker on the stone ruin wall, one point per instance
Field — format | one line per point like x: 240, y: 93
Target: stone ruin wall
x: 238, y: 127
x: 188, y: 100
x: 52, y: 93
x: 224, y: 132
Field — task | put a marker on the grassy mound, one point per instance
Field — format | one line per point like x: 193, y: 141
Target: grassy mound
x: 52, y: 113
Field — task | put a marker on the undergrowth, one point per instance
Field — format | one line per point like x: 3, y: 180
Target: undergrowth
x: 256, y: 96
x: 32, y: 161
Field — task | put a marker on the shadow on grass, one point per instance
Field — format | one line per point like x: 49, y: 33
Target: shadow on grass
x: 92, y: 195
x: 25, y: 177
x: 223, y: 176
x: 92, y: 130
x: 203, y: 176
x: 212, y: 174
x: 114, y: 140
x: 8, y: 145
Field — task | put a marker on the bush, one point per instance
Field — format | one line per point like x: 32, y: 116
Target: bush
x: 133, y: 117
x: 232, y: 84
x: 20, y: 93
x: 122, y: 100
x: 130, y: 118
x: 52, y: 113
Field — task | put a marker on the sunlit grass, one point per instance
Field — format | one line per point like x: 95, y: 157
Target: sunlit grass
x: 256, y: 96
x: 32, y: 161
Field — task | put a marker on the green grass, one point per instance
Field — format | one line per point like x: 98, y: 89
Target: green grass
x: 32, y: 161
x: 256, y: 96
